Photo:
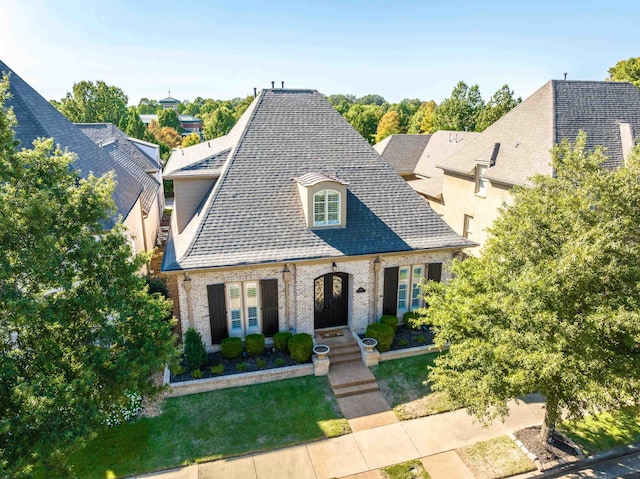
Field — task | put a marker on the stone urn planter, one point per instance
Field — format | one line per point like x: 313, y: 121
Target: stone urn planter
x: 321, y: 350
x: 369, y: 344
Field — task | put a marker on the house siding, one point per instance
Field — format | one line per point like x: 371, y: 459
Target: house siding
x: 297, y: 314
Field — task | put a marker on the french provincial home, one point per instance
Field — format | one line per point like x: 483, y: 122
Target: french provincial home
x: 293, y: 222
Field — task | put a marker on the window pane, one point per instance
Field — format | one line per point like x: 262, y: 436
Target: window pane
x: 236, y: 320
x: 235, y: 305
x: 403, y: 289
x: 252, y: 316
x: 333, y: 209
x: 416, y: 290
x: 319, y: 208
x: 319, y: 295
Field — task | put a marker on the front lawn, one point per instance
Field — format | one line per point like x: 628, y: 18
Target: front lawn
x: 403, y: 383
x: 495, y: 458
x: 213, y: 425
x: 605, y: 430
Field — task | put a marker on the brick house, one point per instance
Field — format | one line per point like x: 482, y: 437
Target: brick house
x: 293, y: 222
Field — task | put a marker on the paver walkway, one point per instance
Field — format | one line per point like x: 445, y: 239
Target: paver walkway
x: 359, y: 454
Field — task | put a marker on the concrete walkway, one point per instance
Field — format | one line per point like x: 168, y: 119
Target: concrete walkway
x: 360, y: 454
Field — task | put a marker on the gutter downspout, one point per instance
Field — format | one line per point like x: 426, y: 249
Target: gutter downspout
x: 286, y: 276
x: 186, y: 284
x: 376, y: 272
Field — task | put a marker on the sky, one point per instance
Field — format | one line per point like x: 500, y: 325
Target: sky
x: 398, y: 49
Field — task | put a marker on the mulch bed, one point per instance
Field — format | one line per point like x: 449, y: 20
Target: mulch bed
x: 271, y: 360
x: 557, y: 448
x: 410, y: 338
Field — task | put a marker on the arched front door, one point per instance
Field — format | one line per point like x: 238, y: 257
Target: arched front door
x: 330, y: 293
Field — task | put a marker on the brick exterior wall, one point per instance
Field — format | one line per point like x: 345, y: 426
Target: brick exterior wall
x: 298, y: 315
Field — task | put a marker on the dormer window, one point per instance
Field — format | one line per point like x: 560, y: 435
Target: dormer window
x: 326, y: 208
x: 324, y: 200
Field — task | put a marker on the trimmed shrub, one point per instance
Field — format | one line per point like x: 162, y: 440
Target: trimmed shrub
x: 280, y: 362
x: 177, y: 369
x: 231, y: 348
x: 195, y: 355
x: 301, y: 347
x: 158, y: 284
x: 254, y: 344
x: 390, y: 320
x: 409, y: 320
x: 383, y: 333
x: 242, y: 367
x: 217, y: 369
x: 281, y: 341
x: 196, y: 374
x: 261, y: 363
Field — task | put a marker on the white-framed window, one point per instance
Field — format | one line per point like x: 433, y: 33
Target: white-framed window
x: 481, y: 181
x: 326, y: 208
x: 243, y: 308
x: 410, y: 279
x: 467, y: 230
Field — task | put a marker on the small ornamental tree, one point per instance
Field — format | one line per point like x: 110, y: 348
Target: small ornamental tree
x: 552, y: 305
x: 195, y: 355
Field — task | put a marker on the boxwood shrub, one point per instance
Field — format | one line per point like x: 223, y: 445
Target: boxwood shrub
x: 301, y: 347
x: 409, y: 320
x: 254, y: 344
x: 383, y: 333
x: 195, y: 355
x: 231, y: 348
x: 390, y: 320
x: 281, y: 341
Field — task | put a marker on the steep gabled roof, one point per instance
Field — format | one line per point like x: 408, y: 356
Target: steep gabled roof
x: 37, y: 118
x: 104, y: 133
x: 403, y: 151
x: 518, y: 145
x: 254, y: 213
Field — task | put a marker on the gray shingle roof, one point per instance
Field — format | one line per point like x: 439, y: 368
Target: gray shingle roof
x: 104, y: 133
x: 254, y: 213
x: 37, y: 118
x: 403, y: 151
x: 520, y: 142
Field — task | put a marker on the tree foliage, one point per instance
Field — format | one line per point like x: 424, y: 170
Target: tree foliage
x: 389, y: 125
x: 148, y: 107
x: 219, y: 122
x: 190, y: 140
x: 163, y: 135
x: 461, y: 110
x: 365, y: 119
x: 94, y: 103
x: 498, y: 105
x: 422, y: 121
x: 168, y: 117
x: 135, y: 128
x: 626, y: 70
x: 78, y: 330
x: 552, y: 305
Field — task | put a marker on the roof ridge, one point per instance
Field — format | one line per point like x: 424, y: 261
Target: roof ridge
x: 218, y: 184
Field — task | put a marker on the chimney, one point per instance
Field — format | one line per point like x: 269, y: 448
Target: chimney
x: 626, y: 138
x: 255, y: 92
x: 283, y: 85
x: 565, y: 76
x: 273, y: 84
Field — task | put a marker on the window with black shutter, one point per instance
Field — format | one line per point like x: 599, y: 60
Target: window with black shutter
x: 269, y: 296
x: 434, y: 272
x: 390, y: 291
x: 217, y: 312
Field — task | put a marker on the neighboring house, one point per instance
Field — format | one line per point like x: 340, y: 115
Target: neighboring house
x: 142, y: 161
x: 37, y: 118
x: 293, y: 222
x: 478, y: 176
x: 415, y: 157
x: 190, y: 124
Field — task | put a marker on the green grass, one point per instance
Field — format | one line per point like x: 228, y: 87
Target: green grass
x: 499, y: 457
x: 213, y: 425
x: 406, y: 470
x: 605, y: 430
x: 403, y: 383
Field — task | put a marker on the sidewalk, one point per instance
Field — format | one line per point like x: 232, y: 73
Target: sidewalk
x: 371, y: 449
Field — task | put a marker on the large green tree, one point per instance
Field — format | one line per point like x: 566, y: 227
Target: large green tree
x: 422, y: 120
x: 148, y: 107
x: 78, y: 329
x: 219, y: 122
x: 389, y: 125
x: 500, y: 103
x: 461, y: 110
x: 169, y: 117
x: 552, y: 305
x: 365, y: 119
x: 626, y: 70
x: 93, y: 103
x: 135, y: 128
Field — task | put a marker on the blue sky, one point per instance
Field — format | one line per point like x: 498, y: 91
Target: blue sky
x: 399, y: 49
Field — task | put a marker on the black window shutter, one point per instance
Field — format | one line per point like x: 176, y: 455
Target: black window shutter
x: 217, y: 313
x: 390, y: 299
x: 269, y: 300
x: 435, y: 272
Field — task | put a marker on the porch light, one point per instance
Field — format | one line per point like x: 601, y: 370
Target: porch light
x: 334, y: 267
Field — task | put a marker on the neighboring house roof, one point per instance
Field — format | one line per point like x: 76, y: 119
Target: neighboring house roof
x: 518, y: 145
x: 254, y: 213
x: 37, y: 118
x: 146, y: 119
x: 443, y: 143
x: 119, y: 147
x: 402, y: 151
x: 104, y: 133
x: 169, y: 99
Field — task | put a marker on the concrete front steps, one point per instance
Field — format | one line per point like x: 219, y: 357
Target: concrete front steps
x: 348, y: 376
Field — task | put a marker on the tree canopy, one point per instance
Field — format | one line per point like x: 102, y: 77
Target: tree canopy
x: 461, y: 110
x: 219, y: 122
x: 552, y: 304
x: 94, y: 103
x: 389, y: 125
x: 135, y: 128
x: 78, y: 329
x: 498, y: 105
x: 626, y: 70
x: 190, y: 140
x: 168, y: 117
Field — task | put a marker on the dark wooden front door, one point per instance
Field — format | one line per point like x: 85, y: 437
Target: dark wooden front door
x: 330, y: 293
